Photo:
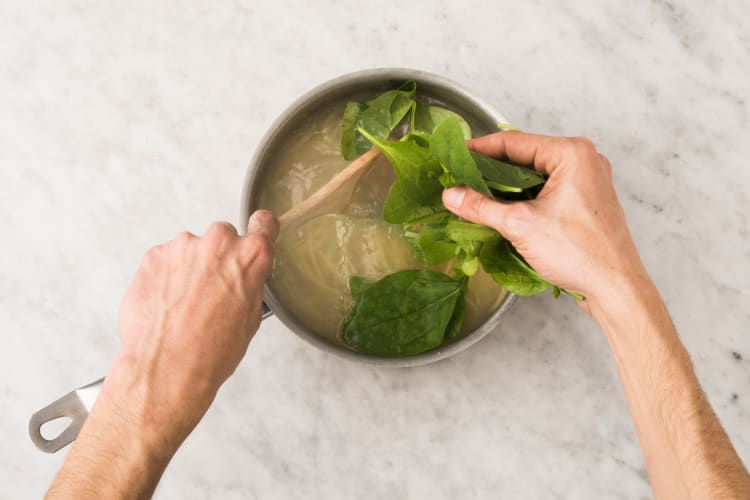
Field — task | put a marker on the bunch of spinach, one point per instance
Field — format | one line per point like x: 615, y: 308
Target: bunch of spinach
x: 413, y: 311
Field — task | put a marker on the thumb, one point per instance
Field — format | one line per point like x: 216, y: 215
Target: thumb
x: 263, y: 222
x: 508, y: 218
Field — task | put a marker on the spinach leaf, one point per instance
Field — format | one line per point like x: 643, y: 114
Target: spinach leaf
x: 417, y: 170
x: 440, y: 217
x: 358, y: 285
x: 404, y: 313
x: 502, y: 188
x: 448, y: 180
x: 457, y: 319
x: 432, y: 245
x: 507, y: 268
x: 449, y: 147
x: 505, y: 176
x: 425, y: 118
x: 349, y: 136
x: 460, y: 230
x: 468, y: 259
x: 469, y: 238
x: 574, y: 295
x: 400, y: 208
x: 378, y: 116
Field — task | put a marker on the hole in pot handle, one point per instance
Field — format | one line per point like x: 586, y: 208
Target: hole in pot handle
x: 75, y: 405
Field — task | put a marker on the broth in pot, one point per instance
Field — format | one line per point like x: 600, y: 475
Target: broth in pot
x: 314, y: 262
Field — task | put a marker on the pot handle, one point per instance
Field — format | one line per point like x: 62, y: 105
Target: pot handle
x: 75, y: 405
x: 265, y: 311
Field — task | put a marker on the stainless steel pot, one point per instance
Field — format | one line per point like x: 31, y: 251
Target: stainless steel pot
x: 354, y: 85
x: 77, y: 404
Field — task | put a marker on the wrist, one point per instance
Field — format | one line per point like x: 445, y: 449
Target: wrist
x: 113, y: 444
x: 137, y: 411
x: 631, y: 311
x: 621, y: 289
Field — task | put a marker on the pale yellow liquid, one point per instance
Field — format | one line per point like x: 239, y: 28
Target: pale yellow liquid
x: 313, y: 263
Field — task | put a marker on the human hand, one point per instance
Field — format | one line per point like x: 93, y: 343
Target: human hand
x: 186, y: 322
x: 574, y: 233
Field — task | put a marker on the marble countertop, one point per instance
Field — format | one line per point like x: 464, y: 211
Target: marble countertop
x: 121, y: 126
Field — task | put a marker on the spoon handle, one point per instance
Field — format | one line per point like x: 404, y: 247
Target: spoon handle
x: 332, y: 198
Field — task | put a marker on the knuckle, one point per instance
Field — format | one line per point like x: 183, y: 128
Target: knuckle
x: 184, y: 237
x: 152, y: 256
x: 220, y: 231
x: 583, y: 144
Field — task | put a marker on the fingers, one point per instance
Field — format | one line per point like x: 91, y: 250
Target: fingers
x: 509, y: 219
x: 541, y: 152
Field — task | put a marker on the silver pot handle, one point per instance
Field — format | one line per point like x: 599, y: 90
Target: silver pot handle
x: 75, y: 405
x: 265, y: 311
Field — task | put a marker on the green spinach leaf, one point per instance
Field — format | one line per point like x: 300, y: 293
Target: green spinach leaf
x: 470, y: 239
x: 505, y: 176
x: 400, y: 208
x: 460, y: 230
x: 431, y: 245
x: 425, y: 118
x: 457, y: 319
x: 349, y: 136
x: 378, y: 116
x: 404, y: 313
x: 468, y: 260
x: 417, y: 170
x: 449, y: 147
x: 507, y: 268
x: 358, y: 285
x: 441, y: 217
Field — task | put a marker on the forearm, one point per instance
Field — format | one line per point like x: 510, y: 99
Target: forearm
x: 115, y: 455
x: 686, y: 450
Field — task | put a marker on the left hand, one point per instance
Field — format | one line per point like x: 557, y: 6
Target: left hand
x: 186, y: 322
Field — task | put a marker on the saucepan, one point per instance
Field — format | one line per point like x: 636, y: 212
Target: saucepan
x: 77, y: 404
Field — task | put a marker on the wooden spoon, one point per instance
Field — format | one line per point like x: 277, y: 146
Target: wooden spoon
x: 333, y: 197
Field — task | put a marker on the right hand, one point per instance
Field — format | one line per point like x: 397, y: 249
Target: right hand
x: 574, y: 233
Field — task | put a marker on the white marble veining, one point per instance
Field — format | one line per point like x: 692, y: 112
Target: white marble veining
x: 122, y: 125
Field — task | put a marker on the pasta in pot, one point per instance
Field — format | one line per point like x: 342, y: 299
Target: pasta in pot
x: 314, y: 262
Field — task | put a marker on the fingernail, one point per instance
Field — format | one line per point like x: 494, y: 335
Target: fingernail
x: 454, y: 197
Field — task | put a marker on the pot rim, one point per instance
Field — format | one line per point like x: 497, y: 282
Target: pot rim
x: 309, y: 98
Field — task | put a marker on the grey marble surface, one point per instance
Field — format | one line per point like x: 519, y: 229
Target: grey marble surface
x: 121, y: 125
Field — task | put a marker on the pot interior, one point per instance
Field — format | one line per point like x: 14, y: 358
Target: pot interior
x: 333, y: 96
